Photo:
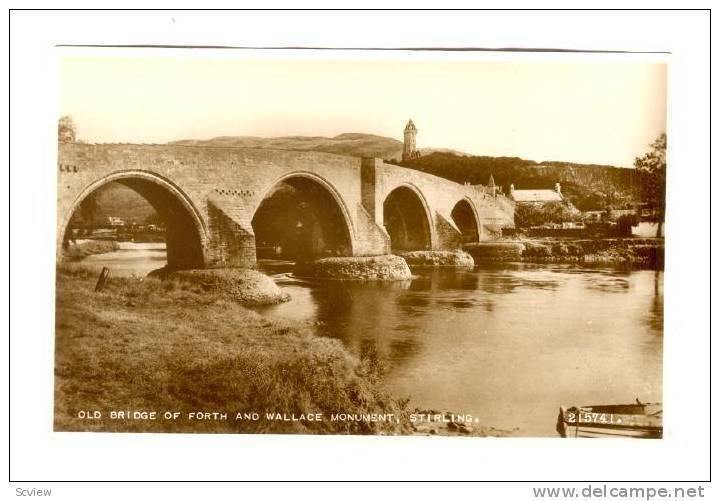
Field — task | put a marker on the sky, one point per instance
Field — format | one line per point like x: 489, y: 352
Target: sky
x: 599, y: 111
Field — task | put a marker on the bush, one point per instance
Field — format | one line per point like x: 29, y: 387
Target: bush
x: 76, y: 252
x: 574, y: 250
x: 528, y: 215
x: 624, y: 224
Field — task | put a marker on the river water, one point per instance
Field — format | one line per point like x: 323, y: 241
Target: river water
x: 506, y: 343
x: 132, y: 259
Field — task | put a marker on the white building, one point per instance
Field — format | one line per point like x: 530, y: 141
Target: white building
x: 536, y: 196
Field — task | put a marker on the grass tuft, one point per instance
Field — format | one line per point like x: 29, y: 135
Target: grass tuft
x: 168, y: 345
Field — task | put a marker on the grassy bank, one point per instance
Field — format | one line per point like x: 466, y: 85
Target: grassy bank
x: 248, y: 287
x: 76, y: 252
x: 173, y: 346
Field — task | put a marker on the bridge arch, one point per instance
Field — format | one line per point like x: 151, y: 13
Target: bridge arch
x: 407, y: 219
x: 186, y: 230
x: 466, y: 218
x: 309, y: 219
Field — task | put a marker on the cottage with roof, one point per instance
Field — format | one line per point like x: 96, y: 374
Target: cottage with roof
x: 536, y: 196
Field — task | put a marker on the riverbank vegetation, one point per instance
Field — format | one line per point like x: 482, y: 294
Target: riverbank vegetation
x: 247, y: 287
x: 586, y: 186
x: 529, y: 215
x: 79, y: 251
x: 151, y: 345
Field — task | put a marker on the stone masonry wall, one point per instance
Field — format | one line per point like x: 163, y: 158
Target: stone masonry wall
x: 238, y: 179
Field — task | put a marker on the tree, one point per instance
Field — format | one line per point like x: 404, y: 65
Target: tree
x: 67, y: 130
x: 85, y: 216
x: 528, y: 215
x: 155, y: 219
x: 653, y: 165
x: 625, y: 223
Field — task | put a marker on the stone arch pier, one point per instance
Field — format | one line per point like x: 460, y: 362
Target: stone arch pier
x: 224, y: 207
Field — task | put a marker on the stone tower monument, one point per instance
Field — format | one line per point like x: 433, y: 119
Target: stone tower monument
x: 409, y: 149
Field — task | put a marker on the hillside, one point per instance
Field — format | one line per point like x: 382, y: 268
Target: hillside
x: 352, y: 144
x: 587, y: 186
x: 117, y: 200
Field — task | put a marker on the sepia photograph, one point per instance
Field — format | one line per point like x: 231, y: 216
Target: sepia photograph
x: 426, y: 243
x: 257, y: 247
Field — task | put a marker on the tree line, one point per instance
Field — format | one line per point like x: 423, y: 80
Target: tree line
x: 586, y: 186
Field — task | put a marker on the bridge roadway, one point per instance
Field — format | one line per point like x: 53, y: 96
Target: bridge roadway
x: 214, y: 200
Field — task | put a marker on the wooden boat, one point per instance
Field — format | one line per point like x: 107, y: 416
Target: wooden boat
x: 636, y: 420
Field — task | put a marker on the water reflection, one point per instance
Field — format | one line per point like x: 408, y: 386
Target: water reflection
x: 508, y: 344
x: 131, y: 259
x: 655, y: 319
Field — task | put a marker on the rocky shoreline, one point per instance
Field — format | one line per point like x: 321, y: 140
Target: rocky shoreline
x: 642, y: 251
x: 456, y: 258
x: 388, y: 267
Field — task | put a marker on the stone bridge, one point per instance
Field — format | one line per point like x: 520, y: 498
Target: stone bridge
x: 221, y: 206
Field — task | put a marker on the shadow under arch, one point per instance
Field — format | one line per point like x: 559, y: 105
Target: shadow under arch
x: 465, y: 216
x: 302, y: 216
x: 186, y: 231
x: 407, y: 219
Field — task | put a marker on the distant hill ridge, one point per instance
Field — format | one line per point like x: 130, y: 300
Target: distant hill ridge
x: 589, y: 187
x: 351, y: 143
x: 354, y: 144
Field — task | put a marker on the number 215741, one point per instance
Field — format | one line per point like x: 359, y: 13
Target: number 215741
x: 592, y: 417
